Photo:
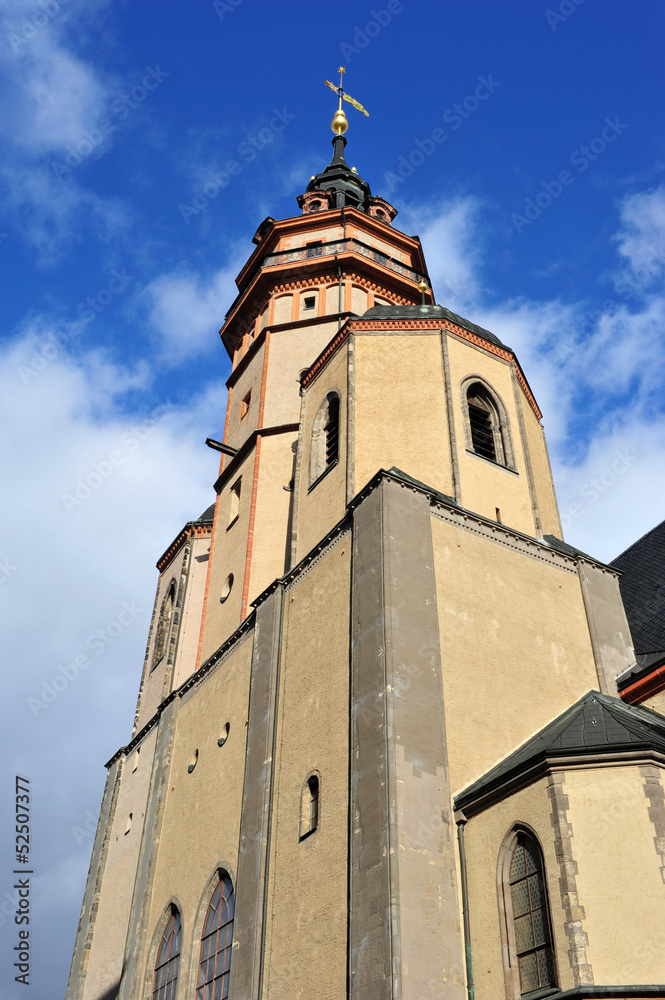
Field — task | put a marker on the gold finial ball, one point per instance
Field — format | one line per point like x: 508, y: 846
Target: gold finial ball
x: 423, y: 286
x: 339, y: 124
x: 353, y: 170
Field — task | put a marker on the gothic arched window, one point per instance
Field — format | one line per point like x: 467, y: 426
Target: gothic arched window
x: 527, y: 909
x: 324, y: 451
x: 164, y: 624
x: 168, y: 959
x: 309, y: 806
x: 216, y: 943
x: 486, y: 426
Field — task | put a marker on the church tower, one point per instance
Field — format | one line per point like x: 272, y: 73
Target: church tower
x: 378, y: 750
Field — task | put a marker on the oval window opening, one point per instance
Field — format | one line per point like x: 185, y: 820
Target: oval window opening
x: 192, y: 763
x: 225, y: 735
x: 226, y: 589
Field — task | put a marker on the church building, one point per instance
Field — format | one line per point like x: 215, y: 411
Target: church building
x: 379, y: 750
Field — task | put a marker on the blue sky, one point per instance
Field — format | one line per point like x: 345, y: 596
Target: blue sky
x: 142, y: 145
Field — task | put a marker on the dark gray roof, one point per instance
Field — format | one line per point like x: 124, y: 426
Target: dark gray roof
x: 643, y: 589
x: 569, y: 550
x: 207, y: 515
x: 596, y: 722
x: 398, y: 474
x: 430, y: 312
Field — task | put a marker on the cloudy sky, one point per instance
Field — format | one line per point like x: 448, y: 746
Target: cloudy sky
x: 142, y: 144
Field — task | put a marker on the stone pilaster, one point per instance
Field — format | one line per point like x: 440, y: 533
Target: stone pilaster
x: 574, y: 912
x: 404, y: 931
x: 253, y: 860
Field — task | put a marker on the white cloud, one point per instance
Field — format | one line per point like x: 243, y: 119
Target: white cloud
x: 641, y: 240
x: 449, y: 235
x: 65, y: 571
x: 186, y: 311
x: 53, y: 102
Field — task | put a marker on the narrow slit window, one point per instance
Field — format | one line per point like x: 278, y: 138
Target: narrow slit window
x: 245, y: 404
x: 309, y: 806
x: 234, y: 504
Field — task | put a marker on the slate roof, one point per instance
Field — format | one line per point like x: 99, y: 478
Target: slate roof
x: 398, y: 474
x: 595, y: 723
x: 430, y: 312
x: 568, y: 550
x: 643, y: 590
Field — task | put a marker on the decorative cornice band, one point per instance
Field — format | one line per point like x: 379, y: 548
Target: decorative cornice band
x: 414, y: 323
x: 247, y: 447
x: 589, y: 759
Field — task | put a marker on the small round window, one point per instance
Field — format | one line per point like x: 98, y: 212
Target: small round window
x: 226, y: 589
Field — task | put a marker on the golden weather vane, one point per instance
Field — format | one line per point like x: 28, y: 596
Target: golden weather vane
x: 339, y: 124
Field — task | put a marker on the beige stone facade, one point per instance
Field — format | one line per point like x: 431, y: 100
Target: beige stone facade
x: 352, y: 658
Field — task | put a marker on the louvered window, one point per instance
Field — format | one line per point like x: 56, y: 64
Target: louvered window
x: 484, y: 424
x: 331, y: 428
x: 325, y: 439
x: 163, y: 625
x: 533, y: 938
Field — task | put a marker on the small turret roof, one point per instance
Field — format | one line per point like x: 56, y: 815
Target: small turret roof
x: 207, y: 515
x: 430, y: 312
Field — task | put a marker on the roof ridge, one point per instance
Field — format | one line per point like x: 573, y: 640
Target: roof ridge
x: 637, y: 541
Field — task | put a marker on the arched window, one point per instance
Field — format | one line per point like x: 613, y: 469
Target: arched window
x: 309, y: 806
x: 164, y: 624
x: 486, y: 423
x: 529, y: 931
x: 216, y: 943
x: 168, y: 959
x: 324, y: 450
